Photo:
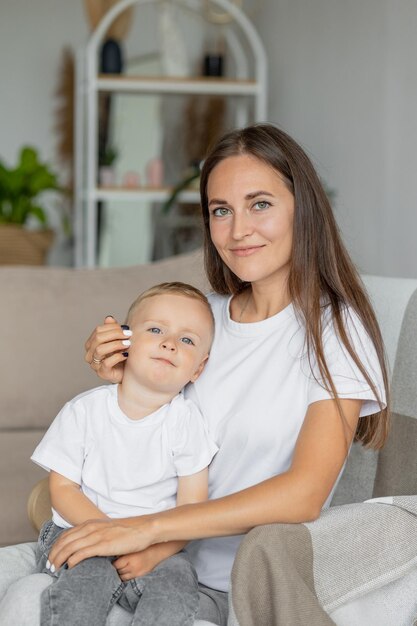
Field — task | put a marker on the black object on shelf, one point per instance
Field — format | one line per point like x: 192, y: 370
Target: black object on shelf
x: 213, y: 65
x: 111, y: 57
x: 111, y: 62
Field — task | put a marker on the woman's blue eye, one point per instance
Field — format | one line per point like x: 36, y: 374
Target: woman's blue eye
x: 155, y: 330
x: 188, y: 341
x: 220, y: 212
x: 262, y: 204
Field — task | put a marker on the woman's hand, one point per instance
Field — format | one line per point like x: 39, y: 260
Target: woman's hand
x: 101, y: 538
x: 104, y: 350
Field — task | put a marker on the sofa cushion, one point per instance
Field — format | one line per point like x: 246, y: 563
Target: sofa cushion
x: 390, y: 297
x: 357, y: 482
x: 18, y: 476
x: 397, y: 463
x: 45, y: 318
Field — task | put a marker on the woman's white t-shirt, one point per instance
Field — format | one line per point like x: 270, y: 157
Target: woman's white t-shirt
x: 254, y: 395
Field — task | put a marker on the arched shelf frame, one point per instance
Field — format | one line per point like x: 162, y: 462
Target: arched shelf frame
x: 89, y: 83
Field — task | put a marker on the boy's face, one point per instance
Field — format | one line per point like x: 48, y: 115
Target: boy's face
x: 171, y: 338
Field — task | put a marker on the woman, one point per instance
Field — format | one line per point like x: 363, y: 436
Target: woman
x: 296, y: 371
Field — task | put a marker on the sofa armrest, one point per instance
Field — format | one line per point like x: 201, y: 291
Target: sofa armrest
x: 39, y: 504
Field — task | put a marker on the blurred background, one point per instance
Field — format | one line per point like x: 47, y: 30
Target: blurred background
x: 341, y: 79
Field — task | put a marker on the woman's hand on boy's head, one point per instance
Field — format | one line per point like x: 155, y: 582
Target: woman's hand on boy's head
x: 106, y: 350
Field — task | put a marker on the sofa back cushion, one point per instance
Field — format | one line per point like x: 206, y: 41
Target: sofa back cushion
x: 45, y: 318
x: 391, y: 298
x: 397, y: 463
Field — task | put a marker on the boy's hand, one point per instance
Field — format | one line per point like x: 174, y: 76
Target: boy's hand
x: 136, y: 563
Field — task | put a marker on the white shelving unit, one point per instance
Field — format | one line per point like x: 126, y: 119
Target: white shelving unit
x: 90, y: 83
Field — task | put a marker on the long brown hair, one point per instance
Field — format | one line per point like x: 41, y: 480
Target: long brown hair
x: 320, y: 269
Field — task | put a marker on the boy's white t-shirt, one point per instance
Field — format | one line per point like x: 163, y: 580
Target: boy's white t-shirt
x: 254, y: 395
x: 125, y: 467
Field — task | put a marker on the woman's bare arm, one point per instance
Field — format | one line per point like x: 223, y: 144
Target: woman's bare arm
x: 296, y: 495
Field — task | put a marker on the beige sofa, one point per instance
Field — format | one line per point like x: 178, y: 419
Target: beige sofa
x: 46, y: 314
x: 45, y: 317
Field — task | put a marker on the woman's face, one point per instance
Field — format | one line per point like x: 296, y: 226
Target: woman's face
x: 251, y: 219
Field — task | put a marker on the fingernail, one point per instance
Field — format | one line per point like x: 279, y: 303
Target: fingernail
x: 52, y: 568
x: 124, y: 327
x: 125, y: 353
x: 126, y: 342
x: 127, y: 333
x: 111, y: 316
x: 48, y: 565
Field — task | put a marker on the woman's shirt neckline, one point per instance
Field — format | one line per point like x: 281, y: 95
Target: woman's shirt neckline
x: 255, y: 328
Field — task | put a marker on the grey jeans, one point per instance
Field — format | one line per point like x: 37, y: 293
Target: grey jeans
x: 85, y: 594
x: 21, y: 587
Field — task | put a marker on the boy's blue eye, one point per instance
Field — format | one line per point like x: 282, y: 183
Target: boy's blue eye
x: 155, y: 330
x: 188, y: 341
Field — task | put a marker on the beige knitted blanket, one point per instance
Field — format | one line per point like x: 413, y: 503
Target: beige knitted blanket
x: 295, y: 574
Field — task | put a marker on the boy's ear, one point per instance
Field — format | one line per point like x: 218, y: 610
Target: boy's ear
x: 199, y: 370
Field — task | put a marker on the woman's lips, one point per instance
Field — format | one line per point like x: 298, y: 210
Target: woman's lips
x: 247, y: 251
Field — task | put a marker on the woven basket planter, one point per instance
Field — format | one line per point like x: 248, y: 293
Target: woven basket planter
x: 19, y: 246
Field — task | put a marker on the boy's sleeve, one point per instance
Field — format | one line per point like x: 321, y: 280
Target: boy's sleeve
x: 192, y: 447
x: 63, y: 445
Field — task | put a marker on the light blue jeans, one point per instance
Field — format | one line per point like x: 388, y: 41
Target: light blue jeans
x: 167, y: 596
x: 21, y: 588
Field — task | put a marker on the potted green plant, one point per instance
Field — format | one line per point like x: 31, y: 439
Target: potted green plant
x: 21, y: 188
x: 106, y: 169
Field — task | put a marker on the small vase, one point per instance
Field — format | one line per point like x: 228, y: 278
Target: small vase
x: 155, y: 173
x: 106, y: 176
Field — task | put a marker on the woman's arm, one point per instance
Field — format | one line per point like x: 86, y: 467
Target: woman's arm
x: 68, y: 499
x: 294, y: 496
x: 193, y: 488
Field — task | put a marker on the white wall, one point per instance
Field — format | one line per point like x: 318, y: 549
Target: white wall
x: 32, y: 36
x: 343, y: 82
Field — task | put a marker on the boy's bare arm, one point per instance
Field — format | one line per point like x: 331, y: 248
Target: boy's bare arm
x: 68, y: 499
x: 75, y: 508
x: 191, y: 489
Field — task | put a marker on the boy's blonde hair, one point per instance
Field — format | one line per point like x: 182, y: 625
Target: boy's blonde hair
x: 173, y: 288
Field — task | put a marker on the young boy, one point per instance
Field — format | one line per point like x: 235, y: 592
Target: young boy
x: 128, y: 450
